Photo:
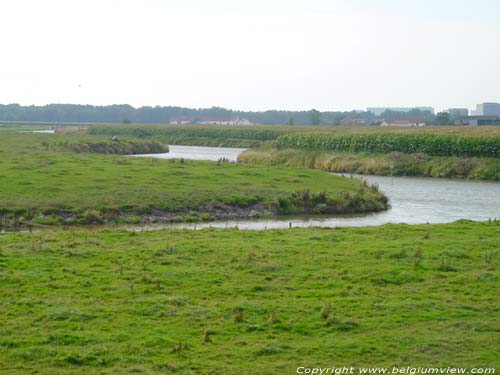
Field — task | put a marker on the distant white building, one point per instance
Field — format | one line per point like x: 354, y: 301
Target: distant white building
x: 478, y: 120
x: 404, y: 122
x: 205, y: 120
x: 180, y: 120
x: 211, y: 120
x: 487, y: 109
x: 377, y: 111
x: 348, y: 121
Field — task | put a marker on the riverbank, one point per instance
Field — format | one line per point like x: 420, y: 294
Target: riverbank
x: 237, y: 302
x: 391, y: 164
x: 413, y: 200
x: 101, y: 145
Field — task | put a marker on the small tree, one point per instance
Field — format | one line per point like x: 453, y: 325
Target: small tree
x: 443, y: 118
x: 290, y: 121
x: 314, y: 117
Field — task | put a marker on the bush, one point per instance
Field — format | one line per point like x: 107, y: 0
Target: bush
x: 367, y: 198
x: 92, y: 217
x: 47, y: 219
x: 133, y: 219
x: 320, y: 208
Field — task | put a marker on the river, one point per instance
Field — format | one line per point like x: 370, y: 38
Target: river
x: 413, y: 200
x: 45, y: 131
x: 198, y: 153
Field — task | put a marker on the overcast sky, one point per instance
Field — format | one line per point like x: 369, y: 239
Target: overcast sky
x: 251, y: 54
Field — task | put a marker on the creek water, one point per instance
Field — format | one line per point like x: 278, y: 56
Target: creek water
x: 46, y: 131
x: 198, y: 153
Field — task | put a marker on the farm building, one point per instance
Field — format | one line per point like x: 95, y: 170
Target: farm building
x: 478, y: 120
x: 404, y: 122
x: 181, y: 120
x: 208, y: 120
x: 354, y: 122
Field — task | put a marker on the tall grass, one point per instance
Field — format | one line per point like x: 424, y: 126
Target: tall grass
x: 394, y: 163
x: 118, y: 146
x: 225, y: 132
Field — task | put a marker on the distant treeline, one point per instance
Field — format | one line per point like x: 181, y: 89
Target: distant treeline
x: 74, y: 113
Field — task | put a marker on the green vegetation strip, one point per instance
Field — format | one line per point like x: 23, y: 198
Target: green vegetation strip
x: 243, y: 136
x: 53, y: 187
x: 391, y: 164
x: 431, y: 144
x: 245, y: 302
x: 100, y: 145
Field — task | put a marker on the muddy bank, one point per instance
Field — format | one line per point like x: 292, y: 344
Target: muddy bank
x: 155, y: 216
x: 366, y: 200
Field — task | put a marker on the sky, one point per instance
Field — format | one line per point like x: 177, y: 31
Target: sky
x: 251, y: 54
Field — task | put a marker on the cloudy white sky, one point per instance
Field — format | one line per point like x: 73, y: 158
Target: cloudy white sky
x: 251, y: 54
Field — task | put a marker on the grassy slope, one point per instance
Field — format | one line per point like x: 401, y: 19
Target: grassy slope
x: 34, y: 178
x: 116, y: 302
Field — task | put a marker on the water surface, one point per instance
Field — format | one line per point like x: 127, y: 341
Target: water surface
x: 45, y: 131
x: 198, y: 153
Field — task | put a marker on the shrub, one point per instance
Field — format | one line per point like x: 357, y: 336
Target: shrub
x: 286, y: 207
x: 326, y: 310
x: 133, y: 219
x: 238, y: 316
x: 320, y: 208
x: 92, y: 217
x: 47, y: 219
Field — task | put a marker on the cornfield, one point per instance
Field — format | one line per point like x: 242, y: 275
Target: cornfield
x: 431, y: 144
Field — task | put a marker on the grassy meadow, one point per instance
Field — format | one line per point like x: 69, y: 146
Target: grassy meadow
x: 102, y: 300
x: 43, y: 183
x: 247, y: 302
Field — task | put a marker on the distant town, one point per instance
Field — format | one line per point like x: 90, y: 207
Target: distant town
x: 484, y: 114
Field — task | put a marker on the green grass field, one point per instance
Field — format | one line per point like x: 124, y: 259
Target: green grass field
x: 108, y: 301
x: 36, y: 179
x: 247, y: 302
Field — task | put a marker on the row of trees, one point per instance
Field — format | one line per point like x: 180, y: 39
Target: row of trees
x: 147, y: 115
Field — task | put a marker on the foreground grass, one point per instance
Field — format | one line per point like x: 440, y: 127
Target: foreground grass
x: 233, y: 302
x: 37, y: 180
